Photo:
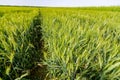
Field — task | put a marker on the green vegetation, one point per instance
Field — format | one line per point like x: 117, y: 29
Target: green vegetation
x: 17, y: 48
x: 60, y: 43
x: 82, y: 44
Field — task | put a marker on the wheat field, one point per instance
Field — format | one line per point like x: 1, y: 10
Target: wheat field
x: 59, y: 43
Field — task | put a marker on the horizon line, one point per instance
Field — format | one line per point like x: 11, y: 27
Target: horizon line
x: 61, y: 6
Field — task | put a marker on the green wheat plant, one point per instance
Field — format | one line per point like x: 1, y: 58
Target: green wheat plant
x: 14, y: 44
x: 82, y: 44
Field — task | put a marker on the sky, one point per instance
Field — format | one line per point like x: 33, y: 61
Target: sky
x: 69, y: 3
